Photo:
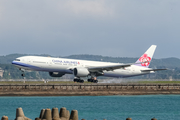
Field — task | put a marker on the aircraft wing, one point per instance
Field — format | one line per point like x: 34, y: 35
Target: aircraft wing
x: 152, y: 70
x: 109, y: 67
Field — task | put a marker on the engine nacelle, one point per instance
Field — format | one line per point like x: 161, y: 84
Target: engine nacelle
x: 81, y: 72
x: 56, y: 74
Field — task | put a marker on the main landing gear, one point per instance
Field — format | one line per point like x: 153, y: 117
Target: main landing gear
x: 78, y: 80
x: 93, y: 80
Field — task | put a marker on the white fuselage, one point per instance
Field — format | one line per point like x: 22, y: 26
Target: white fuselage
x: 50, y: 64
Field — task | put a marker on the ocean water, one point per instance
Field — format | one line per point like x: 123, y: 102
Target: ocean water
x: 142, y: 107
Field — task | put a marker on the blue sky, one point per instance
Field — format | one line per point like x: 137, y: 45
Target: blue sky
x: 118, y: 28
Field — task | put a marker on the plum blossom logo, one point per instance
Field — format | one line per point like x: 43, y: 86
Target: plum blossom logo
x: 146, y: 59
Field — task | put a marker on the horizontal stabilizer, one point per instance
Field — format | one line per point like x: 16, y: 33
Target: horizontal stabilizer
x: 152, y: 70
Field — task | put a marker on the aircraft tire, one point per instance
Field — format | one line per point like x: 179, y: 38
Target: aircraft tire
x: 81, y: 81
x: 23, y: 75
x: 75, y: 80
x: 95, y: 81
x: 92, y: 80
x: 89, y: 80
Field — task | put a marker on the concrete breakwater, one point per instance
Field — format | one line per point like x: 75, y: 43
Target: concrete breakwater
x: 86, y: 89
x: 47, y: 114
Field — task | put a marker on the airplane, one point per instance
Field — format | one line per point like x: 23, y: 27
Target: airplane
x: 57, y: 67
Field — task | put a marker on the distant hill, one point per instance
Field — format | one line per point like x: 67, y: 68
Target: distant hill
x: 166, y: 62
x: 7, y: 59
x: 172, y: 63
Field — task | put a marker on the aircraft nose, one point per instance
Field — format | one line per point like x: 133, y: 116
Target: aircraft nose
x: 13, y: 62
x: 16, y: 61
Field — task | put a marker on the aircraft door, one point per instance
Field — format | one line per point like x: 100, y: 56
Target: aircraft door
x: 49, y: 63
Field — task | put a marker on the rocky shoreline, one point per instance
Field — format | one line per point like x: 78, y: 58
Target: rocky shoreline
x: 83, y: 93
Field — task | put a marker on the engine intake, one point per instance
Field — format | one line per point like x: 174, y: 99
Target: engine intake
x: 56, y: 74
x: 81, y: 72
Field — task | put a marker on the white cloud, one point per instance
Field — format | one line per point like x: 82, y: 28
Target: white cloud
x: 87, y: 7
x: 114, y: 28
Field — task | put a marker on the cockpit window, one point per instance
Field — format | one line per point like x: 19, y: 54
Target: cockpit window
x: 17, y: 60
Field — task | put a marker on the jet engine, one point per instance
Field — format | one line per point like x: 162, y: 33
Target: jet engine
x: 56, y: 74
x: 81, y: 72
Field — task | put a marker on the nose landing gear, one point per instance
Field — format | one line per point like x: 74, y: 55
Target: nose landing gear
x: 23, y: 75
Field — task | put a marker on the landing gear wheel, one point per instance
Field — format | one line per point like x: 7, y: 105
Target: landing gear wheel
x: 95, y: 81
x: 23, y: 75
x: 76, y: 80
x: 89, y: 80
x: 81, y: 81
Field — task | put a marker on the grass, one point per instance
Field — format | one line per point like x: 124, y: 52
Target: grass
x: 36, y: 82
x: 160, y: 82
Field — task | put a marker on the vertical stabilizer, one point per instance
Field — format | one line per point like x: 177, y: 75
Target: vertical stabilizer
x: 147, y: 56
